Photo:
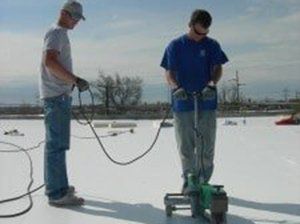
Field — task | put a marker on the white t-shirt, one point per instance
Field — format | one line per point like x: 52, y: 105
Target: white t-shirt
x: 50, y: 86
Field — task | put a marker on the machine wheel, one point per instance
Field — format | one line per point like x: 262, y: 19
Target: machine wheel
x: 195, y: 206
x: 169, y: 210
x: 218, y: 218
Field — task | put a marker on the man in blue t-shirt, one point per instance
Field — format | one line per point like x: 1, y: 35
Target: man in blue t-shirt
x: 193, y: 63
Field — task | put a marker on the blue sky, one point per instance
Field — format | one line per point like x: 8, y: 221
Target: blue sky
x: 260, y: 37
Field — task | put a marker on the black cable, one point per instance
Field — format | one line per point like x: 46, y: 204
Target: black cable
x: 89, y: 121
x: 22, y: 195
x: 81, y: 109
x: 28, y: 149
x: 28, y: 187
x: 130, y: 161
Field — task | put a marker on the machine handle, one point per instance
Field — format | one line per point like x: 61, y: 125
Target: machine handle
x: 218, y: 187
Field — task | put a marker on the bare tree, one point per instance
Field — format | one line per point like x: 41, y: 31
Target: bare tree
x: 118, y: 91
x: 104, y: 86
x: 127, y: 91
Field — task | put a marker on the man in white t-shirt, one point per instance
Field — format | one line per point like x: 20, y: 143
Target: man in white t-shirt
x: 56, y: 83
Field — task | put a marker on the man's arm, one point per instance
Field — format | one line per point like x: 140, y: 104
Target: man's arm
x: 177, y: 91
x: 170, y: 77
x: 216, y: 73
x: 51, y: 62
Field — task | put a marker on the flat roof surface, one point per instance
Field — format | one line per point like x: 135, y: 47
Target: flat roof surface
x: 258, y: 162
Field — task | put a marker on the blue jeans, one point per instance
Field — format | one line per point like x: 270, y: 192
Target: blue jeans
x: 57, y: 111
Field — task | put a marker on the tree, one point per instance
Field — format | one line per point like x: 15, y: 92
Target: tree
x: 118, y: 91
x: 104, y: 85
x: 127, y: 91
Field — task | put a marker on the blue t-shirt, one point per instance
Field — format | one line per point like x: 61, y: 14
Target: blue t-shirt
x: 192, y: 63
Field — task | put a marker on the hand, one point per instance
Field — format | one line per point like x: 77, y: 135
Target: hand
x: 209, y: 92
x: 82, y: 84
x: 179, y: 94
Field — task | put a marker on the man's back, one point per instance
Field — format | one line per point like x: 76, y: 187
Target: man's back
x: 55, y: 39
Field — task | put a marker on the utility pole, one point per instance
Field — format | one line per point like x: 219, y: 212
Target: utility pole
x: 297, y: 95
x: 238, y: 85
x: 286, y: 93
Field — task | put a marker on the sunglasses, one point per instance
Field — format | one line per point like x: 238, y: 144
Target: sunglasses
x: 200, y: 33
x: 72, y: 17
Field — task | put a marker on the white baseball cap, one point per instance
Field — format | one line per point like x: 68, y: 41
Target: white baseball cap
x: 74, y: 8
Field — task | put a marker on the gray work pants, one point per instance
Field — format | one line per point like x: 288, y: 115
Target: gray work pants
x: 184, y: 133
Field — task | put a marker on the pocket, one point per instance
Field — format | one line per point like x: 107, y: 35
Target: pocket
x: 65, y: 103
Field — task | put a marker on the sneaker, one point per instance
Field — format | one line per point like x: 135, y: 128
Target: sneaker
x: 71, y: 190
x: 68, y: 200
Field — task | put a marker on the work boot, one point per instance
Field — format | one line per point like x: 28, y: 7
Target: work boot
x: 68, y: 200
x: 187, y: 190
x: 190, y: 185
